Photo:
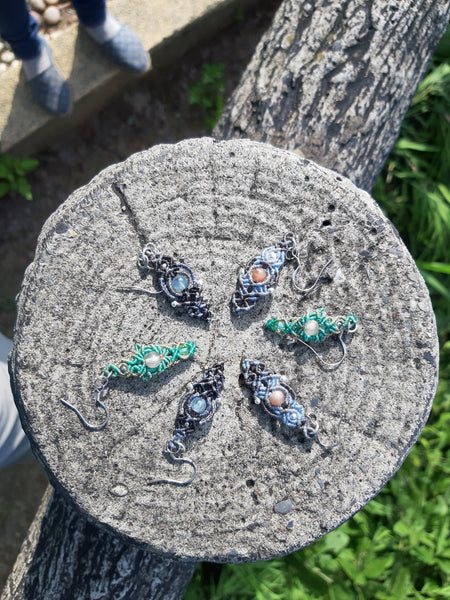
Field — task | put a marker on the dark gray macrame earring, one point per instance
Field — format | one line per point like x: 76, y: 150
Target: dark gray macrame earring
x: 176, y: 280
x: 196, y: 407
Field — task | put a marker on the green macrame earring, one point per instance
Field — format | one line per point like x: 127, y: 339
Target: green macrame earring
x: 146, y: 362
x: 315, y: 327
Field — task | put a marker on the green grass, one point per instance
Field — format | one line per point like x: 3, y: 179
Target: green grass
x: 208, y: 93
x: 397, y: 547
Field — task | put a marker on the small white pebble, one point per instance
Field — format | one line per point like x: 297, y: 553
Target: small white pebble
x: 52, y: 16
x: 16, y: 62
x: 38, y: 5
x: 8, y: 57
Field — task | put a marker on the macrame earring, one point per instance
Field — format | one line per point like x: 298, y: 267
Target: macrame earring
x: 261, y: 274
x: 146, y: 362
x: 277, y: 398
x: 315, y: 327
x: 196, y: 407
x: 176, y: 280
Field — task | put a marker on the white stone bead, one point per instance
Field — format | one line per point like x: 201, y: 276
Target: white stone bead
x: 311, y: 327
x: 152, y: 360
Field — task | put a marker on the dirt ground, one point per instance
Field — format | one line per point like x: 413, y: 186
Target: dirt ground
x: 155, y: 111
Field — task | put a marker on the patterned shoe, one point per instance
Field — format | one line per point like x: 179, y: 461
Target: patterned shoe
x: 51, y: 91
x: 127, y: 51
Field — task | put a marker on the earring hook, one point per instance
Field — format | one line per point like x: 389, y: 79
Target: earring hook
x: 83, y: 420
x: 328, y: 447
x: 138, y: 289
x: 294, y: 275
x: 177, y: 459
x: 324, y: 362
x: 100, y: 386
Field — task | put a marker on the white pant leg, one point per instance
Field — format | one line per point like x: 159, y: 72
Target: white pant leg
x: 13, y: 443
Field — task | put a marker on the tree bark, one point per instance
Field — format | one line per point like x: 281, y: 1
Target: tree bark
x: 66, y: 556
x: 332, y: 80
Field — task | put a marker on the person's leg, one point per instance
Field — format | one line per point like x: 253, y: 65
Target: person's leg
x: 20, y: 30
x: 120, y: 43
x: 91, y: 13
x: 13, y: 443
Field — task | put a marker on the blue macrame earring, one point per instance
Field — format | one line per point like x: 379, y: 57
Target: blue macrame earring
x: 277, y: 398
x: 261, y: 274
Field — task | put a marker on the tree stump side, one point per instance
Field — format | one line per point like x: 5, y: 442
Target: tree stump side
x: 67, y: 556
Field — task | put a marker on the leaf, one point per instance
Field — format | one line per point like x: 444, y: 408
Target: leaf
x: 4, y: 188
x: 404, y: 144
x: 442, y: 542
x: 336, y: 541
x: 374, y: 567
x: 23, y: 187
x: 436, y: 285
x: 26, y: 165
x: 6, y: 173
x: 437, y: 267
x: 401, y: 582
x: 426, y: 555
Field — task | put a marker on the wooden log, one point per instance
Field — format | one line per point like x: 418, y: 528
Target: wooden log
x: 332, y: 80
x: 67, y: 556
x: 260, y: 492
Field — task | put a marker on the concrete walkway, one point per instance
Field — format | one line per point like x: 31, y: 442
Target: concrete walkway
x: 168, y: 28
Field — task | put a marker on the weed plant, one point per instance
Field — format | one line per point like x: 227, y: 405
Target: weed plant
x: 397, y: 547
x: 13, y: 174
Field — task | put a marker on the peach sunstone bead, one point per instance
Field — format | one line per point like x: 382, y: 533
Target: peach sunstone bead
x: 277, y: 397
x: 259, y: 275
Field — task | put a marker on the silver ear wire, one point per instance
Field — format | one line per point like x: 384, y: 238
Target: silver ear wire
x: 83, y: 420
x: 177, y: 459
x: 328, y: 447
x: 294, y: 275
x: 138, y: 289
x: 324, y: 362
x: 101, y: 385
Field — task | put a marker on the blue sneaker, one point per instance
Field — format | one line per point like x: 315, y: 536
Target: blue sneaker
x: 51, y: 91
x: 127, y: 51
x: 48, y: 87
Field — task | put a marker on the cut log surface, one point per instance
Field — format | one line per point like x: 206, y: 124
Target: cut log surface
x: 332, y: 80
x: 260, y: 492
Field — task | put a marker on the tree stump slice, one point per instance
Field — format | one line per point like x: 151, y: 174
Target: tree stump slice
x: 216, y: 205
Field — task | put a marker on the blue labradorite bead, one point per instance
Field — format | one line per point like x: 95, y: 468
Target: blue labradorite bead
x: 198, y: 404
x: 180, y: 283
